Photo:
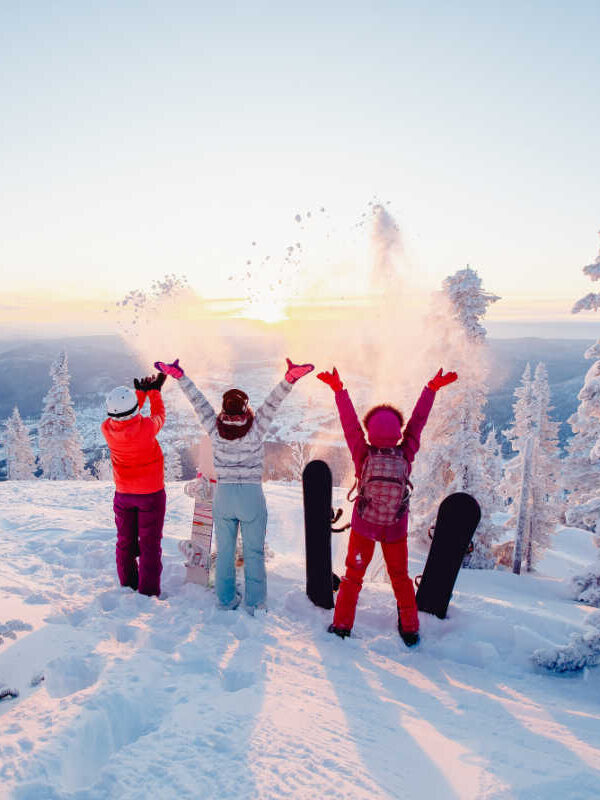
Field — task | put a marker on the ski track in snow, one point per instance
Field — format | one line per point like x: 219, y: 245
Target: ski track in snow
x: 188, y: 701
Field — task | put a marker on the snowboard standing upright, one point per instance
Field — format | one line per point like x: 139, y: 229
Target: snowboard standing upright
x: 457, y: 519
x: 317, y: 490
x: 197, y: 549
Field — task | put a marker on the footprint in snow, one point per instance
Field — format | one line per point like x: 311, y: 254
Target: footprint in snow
x: 233, y: 680
x: 192, y: 657
x: 9, y: 630
x: 126, y: 633
x: 70, y: 674
x: 108, y: 601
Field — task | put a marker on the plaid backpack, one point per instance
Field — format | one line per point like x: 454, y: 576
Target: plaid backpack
x: 383, y: 491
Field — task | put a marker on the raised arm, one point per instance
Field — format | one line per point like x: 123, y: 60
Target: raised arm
x: 200, y: 404
x: 353, y: 431
x: 411, y: 440
x: 150, y: 387
x: 264, y: 415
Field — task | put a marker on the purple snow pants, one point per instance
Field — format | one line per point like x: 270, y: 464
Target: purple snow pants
x: 139, y: 519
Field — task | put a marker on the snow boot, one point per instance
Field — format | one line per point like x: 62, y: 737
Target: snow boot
x: 410, y: 638
x: 341, y: 632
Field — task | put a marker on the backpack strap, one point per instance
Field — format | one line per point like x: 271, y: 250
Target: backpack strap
x: 352, y: 488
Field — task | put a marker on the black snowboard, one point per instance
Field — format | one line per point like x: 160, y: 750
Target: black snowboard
x: 458, y: 517
x: 316, y: 488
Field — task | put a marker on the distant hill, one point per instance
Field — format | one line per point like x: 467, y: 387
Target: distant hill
x: 97, y: 363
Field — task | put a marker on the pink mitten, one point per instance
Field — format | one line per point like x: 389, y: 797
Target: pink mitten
x: 297, y: 371
x: 174, y: 370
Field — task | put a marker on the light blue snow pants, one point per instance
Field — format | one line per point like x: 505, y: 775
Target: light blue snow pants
x: 243, y: 505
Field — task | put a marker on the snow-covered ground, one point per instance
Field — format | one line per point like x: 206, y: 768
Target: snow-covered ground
x: 175, y: 699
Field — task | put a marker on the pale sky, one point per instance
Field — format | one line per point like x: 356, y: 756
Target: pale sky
x: 140, y: 138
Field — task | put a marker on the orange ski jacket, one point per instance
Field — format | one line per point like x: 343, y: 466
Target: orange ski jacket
x: 137, y: 460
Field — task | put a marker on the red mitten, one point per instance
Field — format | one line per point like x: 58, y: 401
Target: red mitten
x: 174, y: 370
x: 440, y: 380
x: 332, y: 379
x: 297, y: 371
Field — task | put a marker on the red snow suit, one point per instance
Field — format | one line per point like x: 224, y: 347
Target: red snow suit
x: 384, y: 432
x: 138, y: 463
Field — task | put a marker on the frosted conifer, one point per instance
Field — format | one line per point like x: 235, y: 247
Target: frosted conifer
x: 494, y: 465
x: 301, y: 453
x: 582, y: 470
x: 532, y: 478
x: 103, y: 468
x: 582, y: 651
x: 452, y: 457
x: 173, y: 466
x: 20, y: 460
x: 546, y: 489
x: 60, y: 442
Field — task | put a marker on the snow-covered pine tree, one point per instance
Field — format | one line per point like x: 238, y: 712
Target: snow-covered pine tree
x: 516, y: 486
x: 20, y: 460
x: 547, y: 503
x: 584, y: 502
x: 494, y: 466
x: 532, y: 478
x: 452, y: 456
x: 60, y: 443
x: 103, y: 468
x: 581, y: 470
x: 173, y: 466
x: 301, y: 454
x: 582, y: 651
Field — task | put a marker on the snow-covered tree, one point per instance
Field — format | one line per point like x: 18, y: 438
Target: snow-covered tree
x: 547, y: 503
x: 581, y: 470
x: 532, y: 478
x: 453, y: 457
x: 468, y: 302
x: 20, y: 460
x: 518, y: 475
x: 586, y: 587
x: 60, y: 443
x: 301, y: 453
x: 173, y: 466
x: 494, y: 466
x: 582, y: 651
x: 103, y: 468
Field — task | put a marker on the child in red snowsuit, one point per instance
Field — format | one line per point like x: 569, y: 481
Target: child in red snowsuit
x: 384, y: 428
x: 138, y: 470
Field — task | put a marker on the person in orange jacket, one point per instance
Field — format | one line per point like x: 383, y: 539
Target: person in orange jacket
x: 138, y: 470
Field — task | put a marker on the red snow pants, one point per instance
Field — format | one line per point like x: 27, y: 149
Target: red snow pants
x: 360, y: 553
x: 139, y: 519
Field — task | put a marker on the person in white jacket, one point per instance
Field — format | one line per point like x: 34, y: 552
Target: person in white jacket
x: 237, y: 434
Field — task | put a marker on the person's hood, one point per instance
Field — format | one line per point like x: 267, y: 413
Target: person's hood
x: 384, y: 428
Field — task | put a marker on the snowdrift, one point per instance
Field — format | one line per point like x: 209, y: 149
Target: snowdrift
x: 180, y: 700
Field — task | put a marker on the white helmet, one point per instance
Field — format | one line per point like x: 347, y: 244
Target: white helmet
x: 122, y: 403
